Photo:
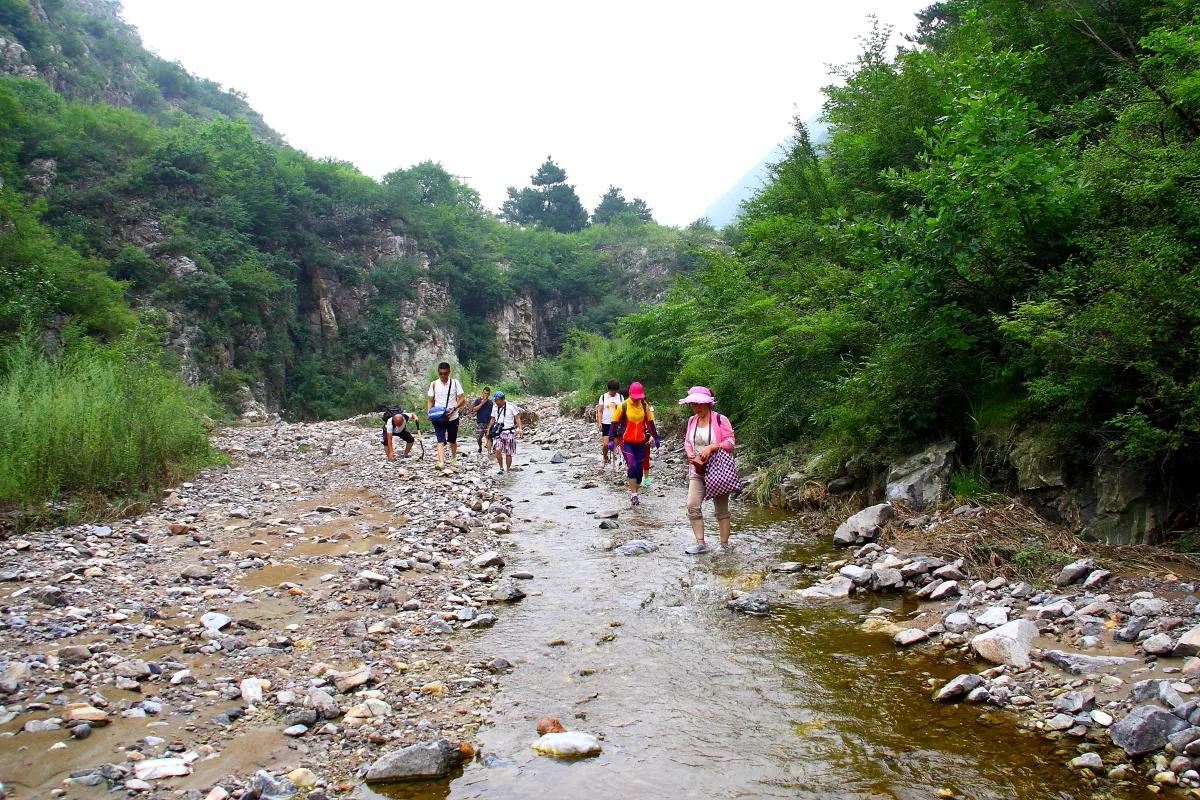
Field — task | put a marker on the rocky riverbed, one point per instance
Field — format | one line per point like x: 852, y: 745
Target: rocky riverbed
x: 272, y: 627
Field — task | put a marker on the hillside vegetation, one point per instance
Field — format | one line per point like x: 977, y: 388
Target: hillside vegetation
x: 1001, y: 230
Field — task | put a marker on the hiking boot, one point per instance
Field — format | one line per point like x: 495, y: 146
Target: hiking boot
x: 696, y: 549
x: 634, y: 500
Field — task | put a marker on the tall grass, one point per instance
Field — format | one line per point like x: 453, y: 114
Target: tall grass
x: 98, y: 423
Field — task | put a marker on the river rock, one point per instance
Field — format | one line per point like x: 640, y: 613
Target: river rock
x: 156, y: 768
x: 993, y: 617
x: 214, y: 621
x: 1090, y: 761
x: 755, y: 605
x: 133, y: 668
x: 423, y: 761
x: 921, y: 480
x: 636, y: 547
x: 1145, y: 729
x: 945, y: 589
x: 885, y: 579
x: 323, y: 703
x: 351, y: 679
x: 1081, y: 664
x: 910, y: 636
x: 252, y: 690
x: 860, y: 575
x: 1147, y: 606
x: 1189, y: 643
x: 828, y: 589
x: 508, y: 592
x: 957, y: 688
x: 1075, y: 572
x: 864, y: 526
x: 15, y: 676
x: 571, y: 744
x: 1008, y: 644
x: 1160, y: 644
x: 491, y: 558
x: 547, y: 724
x: 788, y: 567
x: 1075, y: 702
x: 74, y: 653
x: 1097, y: 577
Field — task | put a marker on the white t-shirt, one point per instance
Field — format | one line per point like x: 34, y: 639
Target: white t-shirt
x: 607, y: 404
x: 390, y: 425
x: 445, y: 394
x: 507, y: 416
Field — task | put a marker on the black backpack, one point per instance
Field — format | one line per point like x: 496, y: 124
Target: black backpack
x: 388, y: 413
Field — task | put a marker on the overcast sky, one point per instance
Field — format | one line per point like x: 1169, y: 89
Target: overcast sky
x: 672, y: 101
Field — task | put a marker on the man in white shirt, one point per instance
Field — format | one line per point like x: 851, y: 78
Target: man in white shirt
x: 505, y: 427
x: 604, y: 411
x: 442, y: 403
x: 396, y: 427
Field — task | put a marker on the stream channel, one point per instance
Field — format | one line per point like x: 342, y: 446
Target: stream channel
x: 694, y: 700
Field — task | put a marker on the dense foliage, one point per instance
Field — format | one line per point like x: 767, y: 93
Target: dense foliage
x: 550, y: 203
x: 1002, y: 229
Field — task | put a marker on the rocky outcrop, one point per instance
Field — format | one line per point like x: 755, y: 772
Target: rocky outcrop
x: 922, y: 480
x: 14, y: 60
x: 515, y: 325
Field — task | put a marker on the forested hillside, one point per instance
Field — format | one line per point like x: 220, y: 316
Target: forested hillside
x: 997, y: 244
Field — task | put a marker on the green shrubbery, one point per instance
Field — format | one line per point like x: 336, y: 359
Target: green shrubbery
x: 97, y: 421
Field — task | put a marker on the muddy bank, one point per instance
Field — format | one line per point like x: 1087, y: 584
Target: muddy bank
x: 295, y: 614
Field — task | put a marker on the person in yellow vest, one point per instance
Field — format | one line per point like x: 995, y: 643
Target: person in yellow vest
x: 633, y: 428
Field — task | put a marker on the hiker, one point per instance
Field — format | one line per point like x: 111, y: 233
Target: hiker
x: 442, y: 403
x: 504, y: 428
x: 604, y: 411
x: 633, y: 427
x: 482, y: 406
x: 396, y: 426
x: 707, y: 432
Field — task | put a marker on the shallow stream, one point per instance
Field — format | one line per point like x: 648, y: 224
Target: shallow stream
x: 693, y: 700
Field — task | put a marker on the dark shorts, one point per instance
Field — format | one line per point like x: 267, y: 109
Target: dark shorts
x: 403, y: 435
x: 605, y: 428
x: 446, y: 431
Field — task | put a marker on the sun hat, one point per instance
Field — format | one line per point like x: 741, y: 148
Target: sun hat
x: 698, y: 394
x: 636, y: 392
x: 498, y: 395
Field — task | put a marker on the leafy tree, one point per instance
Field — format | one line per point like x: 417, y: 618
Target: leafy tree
x: 614, y: 206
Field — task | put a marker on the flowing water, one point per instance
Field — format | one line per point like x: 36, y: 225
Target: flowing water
x: 693, y: 700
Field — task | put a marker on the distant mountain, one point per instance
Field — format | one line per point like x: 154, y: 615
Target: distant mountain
x: 725, y: 209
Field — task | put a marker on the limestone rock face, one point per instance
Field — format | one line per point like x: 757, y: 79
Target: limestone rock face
x: 514, y: 325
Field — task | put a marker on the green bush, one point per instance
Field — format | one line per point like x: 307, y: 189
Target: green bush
x: 67, y: 423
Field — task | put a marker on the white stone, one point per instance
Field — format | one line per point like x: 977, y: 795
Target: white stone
x: 1008, y: 644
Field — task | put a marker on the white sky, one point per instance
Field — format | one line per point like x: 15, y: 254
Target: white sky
x: 672, y: 101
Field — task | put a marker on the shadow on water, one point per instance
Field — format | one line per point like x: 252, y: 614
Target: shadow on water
x: 694, y: 701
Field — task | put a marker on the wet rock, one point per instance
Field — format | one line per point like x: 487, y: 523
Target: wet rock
x: 609, y: 524
x: 157, y: 768
x: 828, y: 589
x: 558, y: 458
x: 508, y: 592
x: 1081, y: 664
x: 1096, y: 578
x: 636, y: 547
x: 81, y: 731
x: 1075, y: 702
x: 1008, y: 644
x: 567, y: 745
x: 1091, y: 761
x: 422, y: 761
x: 1160, y: 644
x: 134, y: 669
x: 1145, y: 729
x: 266, y: 786
x: 753, y: 604
x: 957, y: 688
x: 484, y: 620
x: 1147, y: 606
x: 788, y: 567
x: 910, y: 636
x: 1075, y: 572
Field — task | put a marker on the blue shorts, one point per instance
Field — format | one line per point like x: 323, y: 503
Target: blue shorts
x: 445, y: 430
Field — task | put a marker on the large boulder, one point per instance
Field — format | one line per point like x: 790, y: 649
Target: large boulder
x: 829, y: 589
x: 417, y: 762
x: 921, y: 480
x: 1008, y: 644
x: 1145, y: 729
x: 864, y: 526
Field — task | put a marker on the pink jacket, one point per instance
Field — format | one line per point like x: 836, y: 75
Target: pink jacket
x: 722, y: 433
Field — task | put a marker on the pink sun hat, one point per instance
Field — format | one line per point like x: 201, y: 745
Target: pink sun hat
x: 636, y: 392
x: 698, y: 394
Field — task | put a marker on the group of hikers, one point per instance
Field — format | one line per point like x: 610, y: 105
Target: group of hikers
x: 497, y: 421
x: 625, y: 424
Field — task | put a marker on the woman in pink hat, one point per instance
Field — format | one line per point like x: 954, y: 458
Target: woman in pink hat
x: 632, y: 429
x: 707, y: 432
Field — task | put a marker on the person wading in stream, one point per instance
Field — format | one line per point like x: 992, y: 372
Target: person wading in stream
x: 442, y: 403
x: 604, y: 413
x: 504, y: 429
x: 707, y: 432
x: 633, y: 427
